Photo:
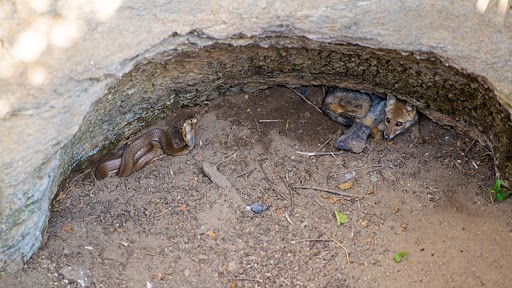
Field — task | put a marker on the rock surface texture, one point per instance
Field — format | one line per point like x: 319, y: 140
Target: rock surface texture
x: 80, y: 77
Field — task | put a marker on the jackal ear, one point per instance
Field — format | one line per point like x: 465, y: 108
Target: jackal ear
x: 391, y: 100
x: 410, y: 108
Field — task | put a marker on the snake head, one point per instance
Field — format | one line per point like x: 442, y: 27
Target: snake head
x: 188, y: 131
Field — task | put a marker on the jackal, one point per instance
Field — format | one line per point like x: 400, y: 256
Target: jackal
x: 385, y: 118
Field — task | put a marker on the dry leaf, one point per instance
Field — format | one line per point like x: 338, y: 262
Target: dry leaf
x: 212, y: 234
x: 371, y: 191
x: 364, y: 223
x: 335, y: 200
x: 159, y: 276
x: 404, y: 227
x: 67, y: 229
x: 365, y: 264
x: 368, y: 240
x: 345, y: 186
x: 396, y: 209
x: 183, y: 207
x: 233, y: 284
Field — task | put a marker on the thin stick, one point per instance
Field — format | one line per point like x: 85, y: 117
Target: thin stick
x: 147, y: 253
x: 332, y: 136
x: 307, y: 101
x: 325, y: 240
x: 467, y: 150
x: 266, y: 178
x: 346, y: 251
x: 160, y: 214
x: 270, y: 120
x: 225, y: 160
x: 58, y: 222
x: 288, y: 218
x: 310, y: 240
x: 325, y: 143
x: 130, y: 254
x: 357, y: 169
x: 328, y: 191
x: 245, y: 173
x: 457, y: 165
x: 246, y: 279
x: 292, y: 204
x: 320, y: 153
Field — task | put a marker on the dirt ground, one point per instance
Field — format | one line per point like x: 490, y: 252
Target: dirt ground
x: 169, y: 225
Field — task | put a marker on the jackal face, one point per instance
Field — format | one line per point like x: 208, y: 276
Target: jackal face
x: 400, y: 115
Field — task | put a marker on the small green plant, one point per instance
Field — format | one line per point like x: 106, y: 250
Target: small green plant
x: 399, y: 256
x: 500, y: 194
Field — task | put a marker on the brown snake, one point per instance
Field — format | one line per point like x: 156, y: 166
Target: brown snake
x: 144, y: 150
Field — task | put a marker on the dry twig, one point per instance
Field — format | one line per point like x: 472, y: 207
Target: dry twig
x: 325, y: 143
x: 245, y: 173
x: 234, y: 155
x: 287, y: 185
x: 246, y: 279
x: 346, y: 251
x: 162, y: 213
x: 310, y: 240
x: 320, y: 153
x: 325, y: 240
x: 147, y: 253
x: 467, y: 150
x: 343, y: 194
x: 270, y: 120
x: 306, y: 100
x: 288, y: 218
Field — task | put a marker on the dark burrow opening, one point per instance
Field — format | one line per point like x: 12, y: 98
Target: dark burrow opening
x: 170, y: 80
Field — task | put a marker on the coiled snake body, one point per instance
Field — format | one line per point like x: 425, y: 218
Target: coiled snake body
x: 144, y: 150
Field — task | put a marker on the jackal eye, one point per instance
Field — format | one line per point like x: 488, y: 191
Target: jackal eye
x: 398, y: 124
x: 388, y: 120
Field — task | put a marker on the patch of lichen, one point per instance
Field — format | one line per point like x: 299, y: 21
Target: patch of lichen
x: 156, y: 88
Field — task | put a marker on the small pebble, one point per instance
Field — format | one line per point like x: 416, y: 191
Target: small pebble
x: 256, y: 208
x: 347, y: 176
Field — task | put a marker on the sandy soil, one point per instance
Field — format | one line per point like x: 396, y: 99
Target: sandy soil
x: 170, y: 225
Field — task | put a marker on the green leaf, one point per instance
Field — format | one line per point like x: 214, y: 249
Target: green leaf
x: 500, y: 197
x: 340, y: 218
x: 497, y: 185
x: 398, y: 256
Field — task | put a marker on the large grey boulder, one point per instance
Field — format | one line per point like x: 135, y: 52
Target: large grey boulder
x: 79, y: 77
